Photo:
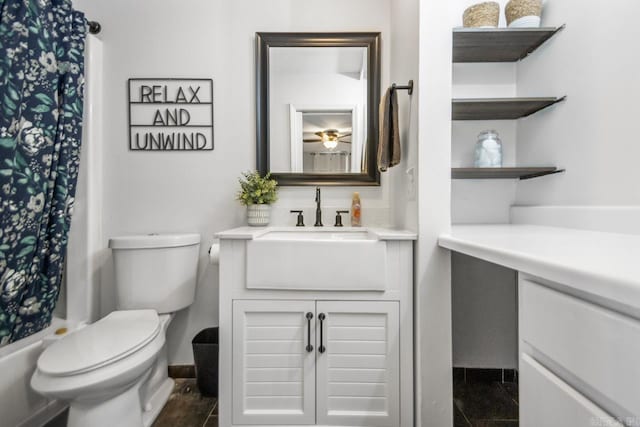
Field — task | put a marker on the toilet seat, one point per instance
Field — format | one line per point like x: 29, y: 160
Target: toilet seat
x: 102, y: 343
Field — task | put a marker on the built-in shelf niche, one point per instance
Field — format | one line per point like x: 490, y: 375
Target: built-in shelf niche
x: 481, y: 45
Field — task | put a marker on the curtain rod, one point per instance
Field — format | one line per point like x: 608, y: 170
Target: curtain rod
x: 94, y: 27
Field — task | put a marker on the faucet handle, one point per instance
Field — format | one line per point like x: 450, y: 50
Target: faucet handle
x: 339, y: 218
x: 300, y: 222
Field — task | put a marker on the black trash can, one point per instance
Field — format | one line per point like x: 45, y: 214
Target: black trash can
x: 205, y: 355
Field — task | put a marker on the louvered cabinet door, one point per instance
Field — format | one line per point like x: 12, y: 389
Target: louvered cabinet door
x: 273, y: 370
x: 358, y: 363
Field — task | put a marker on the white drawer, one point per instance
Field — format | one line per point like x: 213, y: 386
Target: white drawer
x: 596, y: 349
x: 545, y: 400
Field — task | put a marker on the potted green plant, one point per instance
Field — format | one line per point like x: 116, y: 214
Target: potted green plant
x: 257, y: 193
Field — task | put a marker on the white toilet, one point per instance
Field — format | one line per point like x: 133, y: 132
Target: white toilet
x: 114, y: 371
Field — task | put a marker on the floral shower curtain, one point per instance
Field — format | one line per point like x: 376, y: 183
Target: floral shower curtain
x: 41, y: 104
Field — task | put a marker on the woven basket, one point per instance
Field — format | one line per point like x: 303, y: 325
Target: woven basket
x: 485, y: 14
x: 517, y: 9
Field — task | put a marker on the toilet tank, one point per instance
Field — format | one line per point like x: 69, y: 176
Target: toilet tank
x: 156, y: 271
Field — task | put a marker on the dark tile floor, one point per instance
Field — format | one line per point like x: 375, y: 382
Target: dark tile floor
x: 484, y: 403
x: 188, y: 408
x: 59, y: 421
x: 477, y: 402
x: 185, y: 408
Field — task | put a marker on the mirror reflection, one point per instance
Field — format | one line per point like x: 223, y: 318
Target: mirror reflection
x: 318, y: 109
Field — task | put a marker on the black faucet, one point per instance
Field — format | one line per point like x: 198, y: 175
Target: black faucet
x: 318, y: 209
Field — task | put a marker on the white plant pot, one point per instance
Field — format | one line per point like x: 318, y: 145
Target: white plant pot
x: 258, y: 215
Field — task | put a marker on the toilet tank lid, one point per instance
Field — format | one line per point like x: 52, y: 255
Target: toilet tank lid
x: 150, y: 241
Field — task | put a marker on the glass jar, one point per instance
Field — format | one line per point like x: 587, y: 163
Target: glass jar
x: 488, y: 152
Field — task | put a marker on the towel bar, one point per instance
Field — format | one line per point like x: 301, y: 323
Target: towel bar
x: 408, y: 87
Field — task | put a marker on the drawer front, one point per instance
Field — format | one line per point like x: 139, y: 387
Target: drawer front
x: 595, y: 346
x: 545, y: 400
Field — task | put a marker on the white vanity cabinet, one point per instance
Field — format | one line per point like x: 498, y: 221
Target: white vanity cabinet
x: 295, y: 362
x: 296, y: 357
x: 578, y: 360
x: 579, y: 317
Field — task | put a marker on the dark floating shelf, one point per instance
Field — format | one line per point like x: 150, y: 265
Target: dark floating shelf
x: 502, y: 173
x: 499, y: 108
x: 498, y: 44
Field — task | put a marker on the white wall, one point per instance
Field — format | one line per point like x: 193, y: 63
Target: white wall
x: 163, y: 191
x: 485, y: 316
x: 405, y: 42
x: 432, y: 267
x: 85, y: 252
x: 593, y: 134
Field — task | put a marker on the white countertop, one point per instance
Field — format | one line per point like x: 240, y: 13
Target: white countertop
x: 250, y: 233
x: 602, y: 265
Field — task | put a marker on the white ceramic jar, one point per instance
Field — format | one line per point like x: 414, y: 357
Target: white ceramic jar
x: 258, y: 215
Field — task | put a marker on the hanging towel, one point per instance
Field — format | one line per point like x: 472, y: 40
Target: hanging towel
x: 389, y: 150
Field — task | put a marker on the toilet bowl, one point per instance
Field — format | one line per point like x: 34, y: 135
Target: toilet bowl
x: 98, y: 368
x: 114, y: 371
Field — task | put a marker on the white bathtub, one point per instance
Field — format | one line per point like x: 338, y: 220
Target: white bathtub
x: 20, y: 406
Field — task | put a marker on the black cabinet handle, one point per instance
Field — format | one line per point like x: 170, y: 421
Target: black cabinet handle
x: 322, y: 348
x: 309, y: 346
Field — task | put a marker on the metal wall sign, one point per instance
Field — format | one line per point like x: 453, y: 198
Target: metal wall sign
x: 170, y: 114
